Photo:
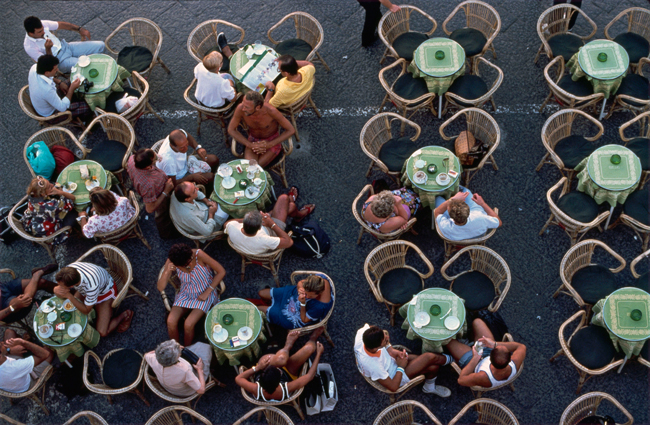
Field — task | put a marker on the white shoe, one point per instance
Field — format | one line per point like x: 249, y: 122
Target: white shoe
x: 438, y: 390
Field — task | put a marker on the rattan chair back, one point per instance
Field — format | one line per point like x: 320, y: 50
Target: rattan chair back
x: 490, y: 412
x: 156, y: 387
x: 452, y: 246
x: 630, y: 103
x: 587, y: 405
x: 307, y: 29
x: 203, y: 38
x: 561, y: 96
x: 394, y: 24
x: 92, y: 418
x: 273, y: 416
x: 638, y: 22
x: 117, y: 128
x: 52, y: 136
x: 402, y: 413
x: 101, y: 388
x: 130, y: 229
x: 296, y: 277
x: 452, y: 100
x: 138, y: 32
x: 34, y: 390
x: 404, y: 106
x: 555, y: 20
x: 173, y: 415
x: 25, y: 103
x: 270, y: 261
x: 218, y: 115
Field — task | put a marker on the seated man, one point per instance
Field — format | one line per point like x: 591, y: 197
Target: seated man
x: 40, y: 41
x: 155, y: 187
x: 176, y: 374
x: 392, y: 368
x: 264, y: 141
x: 94, y: 289
x: 497, y: 365
x: 213, y: 88
x: 17, y: 296
x: 193, y: 212
x: 464, y: 216
x: 49, y: 94
x: 18, y: 373
x: 181, y: 167
x: 298, y: 80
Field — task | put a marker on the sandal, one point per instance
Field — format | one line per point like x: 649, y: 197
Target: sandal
x: 293, y: 193
x: 126, y: 323
x: 310, y: 209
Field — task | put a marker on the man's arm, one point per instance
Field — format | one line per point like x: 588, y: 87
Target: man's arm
x: 440, y: 209
x: 40, y: 354
x: 285, y: 239
x: 393, y: 7
x: 65, y: 293
x: 166, y: 193
x: 303, y: 63
x: 233, y: 128
x: 467, y: 376
x: 84, y: 33
x: 284, y: 123
x: 202, y: 153
x: 489, y: 211
x: 393, y: 384
x: 517, y: 350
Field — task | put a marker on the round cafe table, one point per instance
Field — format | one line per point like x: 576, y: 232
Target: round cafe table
x: 71, y: 174
x: 244, y: 313
x: 238, y: 61
x: 434, y: 335
x: 439, y: 74
x: 605, y: 76
x: 233, y: 202
x: 108, y: 80
x: 604, y: 181
x: 613, y: 313
x: 60, y: 341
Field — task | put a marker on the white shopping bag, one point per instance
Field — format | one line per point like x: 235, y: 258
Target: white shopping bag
x: 330, y: 395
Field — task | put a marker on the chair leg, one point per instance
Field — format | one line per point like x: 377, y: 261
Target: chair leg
x: 138, y: 292
x: 550, y: 219
x: 259, y: 416
x: 581, y: 382
x: 372, y: 164
x: 381, y: 108
x: 323, y: 62
x: 274, y: 271
x: 299, y: 410
x: 293, y: 121
x: 40, y: 403
x: 243, y: 268
x: 539, y: 52
x: 392, y: 398
x: 313, y: 105
x: 139, y: 394
x: 163, y: 65
x: 110, y: 399
x: 327, y: 336
x: 558, y: 354
x: 153, y: 111
x: 392, y: 315
x: 542, y: 162
x: 545, y: 102
x: 494, y: 105
x: 360, y: 235
x: 558, y: 291
x: 198, y: 126
x: 494, y: 163
x: 49, y: 250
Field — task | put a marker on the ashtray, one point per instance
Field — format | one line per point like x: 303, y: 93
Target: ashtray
x: 636, y: 315
x: 93, y: 73
x: 602, y: 57
x: 615, y: 159
x: 431, y: 169
x: 227, y: 319
x: 435, y: 310
x: 243, y: 183
x: 440, y: 55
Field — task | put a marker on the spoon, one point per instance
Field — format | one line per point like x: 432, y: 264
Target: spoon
x: 448, y: 311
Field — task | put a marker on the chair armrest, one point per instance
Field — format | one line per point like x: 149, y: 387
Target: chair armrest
x: 11, y: 272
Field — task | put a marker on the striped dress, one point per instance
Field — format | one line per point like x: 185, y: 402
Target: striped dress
x: 192, y: 285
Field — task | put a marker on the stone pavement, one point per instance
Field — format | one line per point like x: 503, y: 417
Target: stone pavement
x: 329, y: 167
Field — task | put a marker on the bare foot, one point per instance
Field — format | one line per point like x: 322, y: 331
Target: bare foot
x: 317, y: 332
x: 303, y: 212
x: 291, y: 339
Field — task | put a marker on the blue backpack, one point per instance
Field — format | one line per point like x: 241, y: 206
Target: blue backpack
x: 41, y: 160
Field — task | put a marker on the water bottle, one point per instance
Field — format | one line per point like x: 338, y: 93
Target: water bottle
x: 479, y: 348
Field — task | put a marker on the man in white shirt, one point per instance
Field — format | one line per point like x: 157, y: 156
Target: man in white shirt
x: 18, y: 374
x: 259, y: 233
x: 213, y: 88
x: 379, y: 361
x: 464, y: 216
x: 39, y: 41
x: 180, y: 167
x: 193, y: 212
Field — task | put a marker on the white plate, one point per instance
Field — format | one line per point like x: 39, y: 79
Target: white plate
x: 420, y: 177
x: 245, y: 333
x: 46, y: 334
x: 74, y: 330
x: 252, y: 192
x: 91, y: 184
x: 68, y: 306
x: 83, y: 61
x: 421, y: 319
x: 228, y: 182
x: 420, y: 163
x: 441, y: 182
x: 224, y: 170
x: 221, y: 336
x: 452, y: 323
x: 52, y: 316
x: 47, y: 306
x: 258, y: 182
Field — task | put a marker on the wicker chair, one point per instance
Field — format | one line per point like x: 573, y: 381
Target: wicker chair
x: 138, y: 32
x: 587, y: 405
x: 401, y: 391
x: 558, y: 127
x: 105, y: 389
x: 32, y: 393
x: 578, y: 257
x: 173, y: 415
x: 484, y: 128
x: 479, y: 16
x: 490, y: 412
x: 21, y: 325
x: 198, y: 239
x: 26, y: 105
x: 644, y: 132
x: 392, y: 25
x: 136, y: 111
x: 628, y: 102
x: 365, y: 193
x: 296, y: 107
x: 176, y: 284
x: 273, y: 415
x: 404, y: 106
x: 52, y: 136
x: 46, y: 242
x: 555, y: 21
x: 452, y: 246
x: 92, y: 418
x: 390, y: 256
x: 9, y: 420
x: 293, y: 398
x: 131, y: 228
x: 401, y: 413
x: 156, y: 387
x: 270, y: 261
x: 638, y: 23
x: 375, y: 133
x: 642, y: 230
x: 478, y: 391
x: 218, y: 115
x: 452, y: 100
x: 574, y: 228
x: 298, y: 275
x: 585, y: 373
x: 561, y: 96
x: 203, y: 38
x: 120, y: 270
x: 489, y: 263
x: 308, y: 29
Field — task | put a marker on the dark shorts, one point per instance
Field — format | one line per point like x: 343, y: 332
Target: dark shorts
x: 467, y: 357
x: 9, y: 291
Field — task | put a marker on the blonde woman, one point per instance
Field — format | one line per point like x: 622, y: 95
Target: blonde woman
x: 48, y: 209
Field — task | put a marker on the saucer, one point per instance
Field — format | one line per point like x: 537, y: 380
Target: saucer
x: 52, y: 316
x: 452, y: 323
x: 440, y: 181
x: 420, y: 163
x: 47, y: 306
x: 220, y: 336
x: 91, y: 184
x: 252, y: 192
x: 68, y: 306
x: 420, y: 177
x: 421, y: 319
x: 45, y: 331
x: 228, y: 182
x: 83, y: 61
x: 245, y: 333
x: 74, y: 330
x: 224, y: 170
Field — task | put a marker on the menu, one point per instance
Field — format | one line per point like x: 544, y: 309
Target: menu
x: 259, y: 70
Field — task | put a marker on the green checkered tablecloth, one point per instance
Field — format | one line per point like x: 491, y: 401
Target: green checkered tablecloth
x: 60, y: 341
x: 430, y: 189
x: 109, y: 79
x: 605, y: 76
x: 614, y: 314
x: 245, y: 314
x: 604, y: 181
x: 434, y: 335
x: 226, y: 197
x: 439, y: 74
x: 71, y: 174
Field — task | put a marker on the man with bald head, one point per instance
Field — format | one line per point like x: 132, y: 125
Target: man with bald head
x: 181, y: 167
x: 193, y: 212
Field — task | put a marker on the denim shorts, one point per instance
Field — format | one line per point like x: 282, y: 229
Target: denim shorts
x: 467, y: 357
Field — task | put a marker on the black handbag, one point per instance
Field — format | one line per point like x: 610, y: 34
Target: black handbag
x: 188, y: 355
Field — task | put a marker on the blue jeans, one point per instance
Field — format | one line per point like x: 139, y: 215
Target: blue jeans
x: 70, y: 52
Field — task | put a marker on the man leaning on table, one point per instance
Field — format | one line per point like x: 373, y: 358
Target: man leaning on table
x: 181, y: 167
x: 298, y: 80
x: 464, y: 216
x: 39, y: 41
x: 193, y: 212
x: 18, y: 373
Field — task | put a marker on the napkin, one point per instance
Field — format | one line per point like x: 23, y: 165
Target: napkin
x: 417, y: 152
x: 414, y: 300
x: 244, y: 162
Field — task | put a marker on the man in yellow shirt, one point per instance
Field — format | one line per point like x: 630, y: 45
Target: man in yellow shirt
x: 298, y: 80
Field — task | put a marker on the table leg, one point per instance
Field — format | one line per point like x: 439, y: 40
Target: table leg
x: 439, y: 106
x: 621, y: 368
x: 68, y: 363
x: 611, y: 211
x: 602, y: 110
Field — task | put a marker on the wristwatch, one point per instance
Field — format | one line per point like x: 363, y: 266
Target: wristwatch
x: 80, y: 217
x: 8, y: 350
x: 198, y: 147
x: 11, y: 307
x: 302, y: 305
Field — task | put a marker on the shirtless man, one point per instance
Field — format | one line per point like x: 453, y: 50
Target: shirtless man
x: 264, y: 121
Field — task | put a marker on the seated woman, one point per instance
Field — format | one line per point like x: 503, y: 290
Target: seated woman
x: 200, y: 275
x: 301, y: 305
x: 175, y: 373
x: 390, y: 210
x: 48, y: 209
x: 277, y: 375
x: 111, y: 212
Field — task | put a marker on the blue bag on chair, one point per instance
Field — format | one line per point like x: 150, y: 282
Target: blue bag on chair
x: 41, y: 160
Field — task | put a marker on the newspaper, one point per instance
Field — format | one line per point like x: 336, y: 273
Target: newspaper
x: 259, y: 70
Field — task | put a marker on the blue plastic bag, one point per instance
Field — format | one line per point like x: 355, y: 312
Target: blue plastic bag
x: 41, y: 160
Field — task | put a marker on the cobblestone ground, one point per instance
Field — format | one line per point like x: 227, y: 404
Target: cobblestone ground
x: 330, y: 167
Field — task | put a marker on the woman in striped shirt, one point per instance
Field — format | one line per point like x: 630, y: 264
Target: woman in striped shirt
x: 199, y: 275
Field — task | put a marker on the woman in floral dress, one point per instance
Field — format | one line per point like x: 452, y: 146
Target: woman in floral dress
x: 111, y: 212
x: 48, y: 209
x: 199, y: 275
x: 390, y: 210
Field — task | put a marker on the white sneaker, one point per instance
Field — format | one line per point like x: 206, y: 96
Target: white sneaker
x: 438, y: 390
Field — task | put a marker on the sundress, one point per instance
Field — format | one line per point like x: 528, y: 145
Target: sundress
x: 409, y: 198
x: 44, y: 216
x: 192, y: 285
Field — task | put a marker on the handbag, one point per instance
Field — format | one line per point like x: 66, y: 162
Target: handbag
x: 463, y: 145
x: 190, y: 356
x: 41, y: 160
x: 597, y: 420
x: 309, y: 240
